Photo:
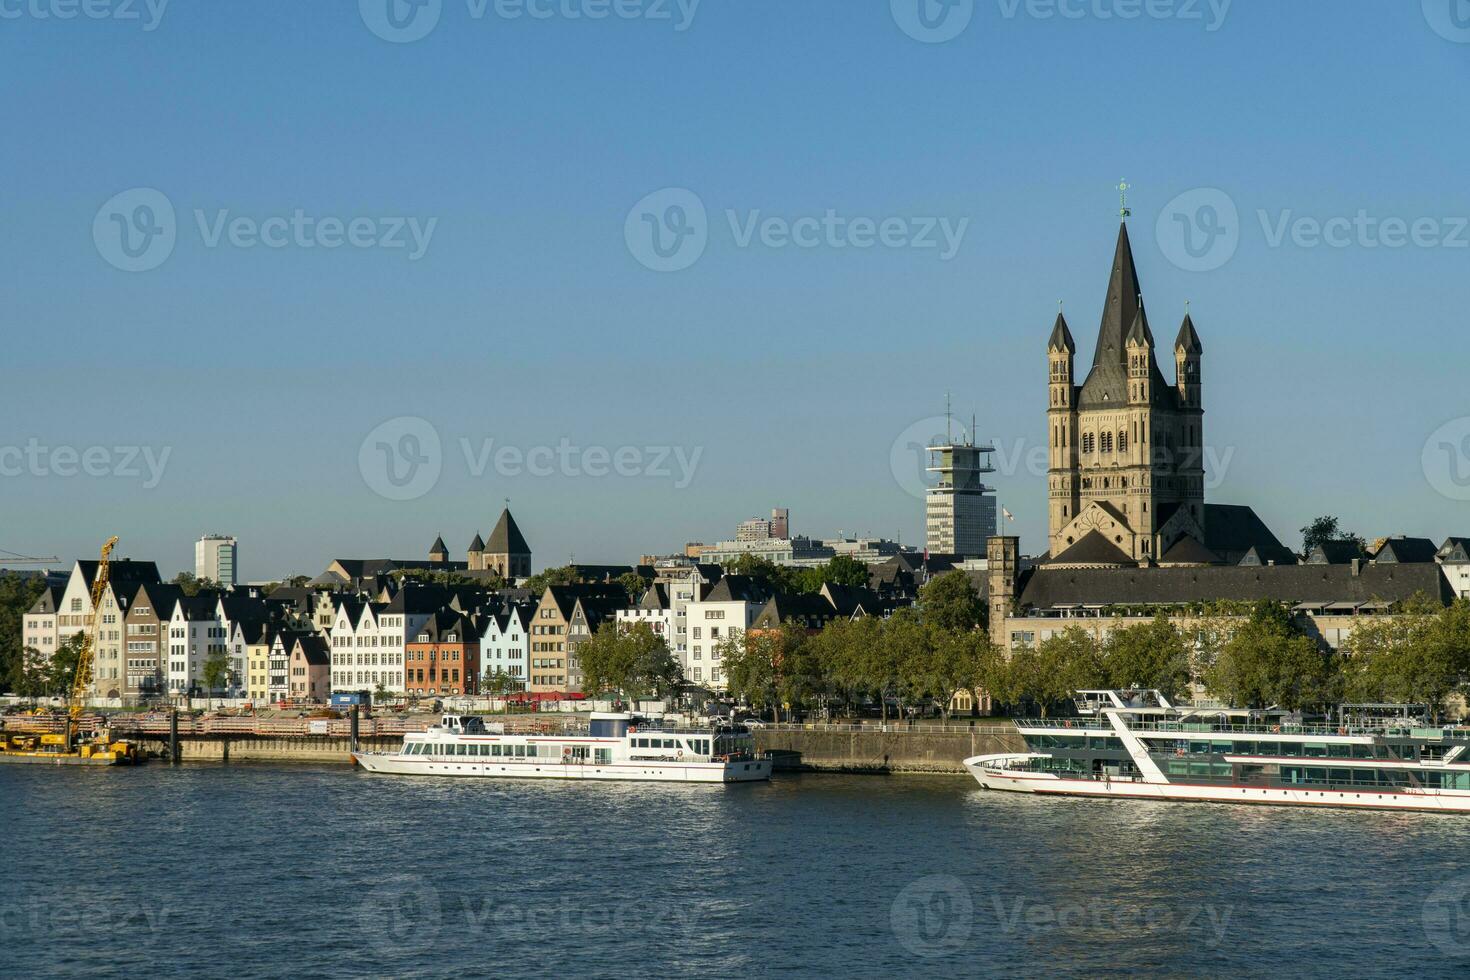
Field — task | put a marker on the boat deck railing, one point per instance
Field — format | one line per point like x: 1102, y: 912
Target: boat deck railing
x: 1093, y: 725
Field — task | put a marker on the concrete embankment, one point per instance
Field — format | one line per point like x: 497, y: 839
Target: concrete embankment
x: 267, y: 748
x: 896, y: 750
x: 817, y: 749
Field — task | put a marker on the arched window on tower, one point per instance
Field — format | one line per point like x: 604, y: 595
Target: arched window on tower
x: 1123, y: 441
x: 1087, y: 442
x: 1107, y: 442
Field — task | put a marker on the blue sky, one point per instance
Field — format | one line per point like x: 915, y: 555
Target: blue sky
x: 786, y: 373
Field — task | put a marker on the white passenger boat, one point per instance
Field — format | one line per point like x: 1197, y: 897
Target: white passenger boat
x: 615, y: 746
x: 1137, y: 745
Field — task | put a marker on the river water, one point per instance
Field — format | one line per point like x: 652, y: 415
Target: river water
x: 266, y: 871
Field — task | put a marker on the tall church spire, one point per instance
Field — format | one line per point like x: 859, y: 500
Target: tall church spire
x: 1121, y: 308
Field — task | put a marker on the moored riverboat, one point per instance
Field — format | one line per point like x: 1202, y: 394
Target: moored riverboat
x: 615, y: 746
x: 1138, y: 745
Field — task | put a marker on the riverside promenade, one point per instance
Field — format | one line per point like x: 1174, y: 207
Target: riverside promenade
x: 897, y: 747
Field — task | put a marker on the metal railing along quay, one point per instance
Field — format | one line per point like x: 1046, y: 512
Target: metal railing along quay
x: 892, y: 728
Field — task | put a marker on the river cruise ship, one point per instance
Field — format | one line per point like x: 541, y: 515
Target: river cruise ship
x: 615, y: 746
x: 1137, y: 745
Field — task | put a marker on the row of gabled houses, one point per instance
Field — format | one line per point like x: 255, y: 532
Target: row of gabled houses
x: 404, y: 636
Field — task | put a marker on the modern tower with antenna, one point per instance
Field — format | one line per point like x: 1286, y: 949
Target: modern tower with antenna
x: 960, y: 512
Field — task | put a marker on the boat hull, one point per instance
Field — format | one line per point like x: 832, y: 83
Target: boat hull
x: 753, y: 770
x: 58, y: 759
x: 990, y: 776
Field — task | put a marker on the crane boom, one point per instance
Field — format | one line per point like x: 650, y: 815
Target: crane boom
x: 82, y: 681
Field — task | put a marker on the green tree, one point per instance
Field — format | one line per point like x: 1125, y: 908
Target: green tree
x: 1420, y: 654
x: 62, y: 669
x: 632, y: 661
x: 954, y: 662
x: 749, y: 660
x: 192, y: 585
x: 566, y: 575
x: 1328, y: 528
x: 950, y: 602
x: 216, y: 672
x: 17, y: 594
x: 635, y: 585
x: 1150, y: 655
x: 1266, y: 662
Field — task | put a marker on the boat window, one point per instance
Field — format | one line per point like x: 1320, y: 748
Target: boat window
x: 1315, y: 750
x: 1199, y: 748
x: 1221, y: 747
x: 1342, y: 775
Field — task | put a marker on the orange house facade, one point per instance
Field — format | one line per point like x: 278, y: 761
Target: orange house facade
x: 443, y: 657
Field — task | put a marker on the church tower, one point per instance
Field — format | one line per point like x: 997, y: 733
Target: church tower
x: 1126, y: 468
x: 1061, y: 418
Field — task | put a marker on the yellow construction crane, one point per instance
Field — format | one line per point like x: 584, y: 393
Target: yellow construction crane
x: 70, y: 748
x: 81, y: 683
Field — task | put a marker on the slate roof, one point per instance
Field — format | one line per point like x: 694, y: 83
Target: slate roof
x: 47, y: 601
x: 120, y: 570
x: 1455, y: 551
x: 442, y: 623
x: 1406, y: 551
x: 476, y: 545
x: 1188, y: 551
x: 1232, y: 531
x: 1334, y: 553
x: 1093, y: 549
x: 438, y: 547
x: 655, y: 597
x: 736, y: 588
x: 313, y: 649
x: 808, y: 610
x: 1061, y: 338
x: 507, y: 539
x: 1188, y: 340
x: 1049, y: 587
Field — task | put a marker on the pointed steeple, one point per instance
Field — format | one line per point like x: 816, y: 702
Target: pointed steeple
x: 1140, y: 333
x: 1061, y: 338
x: 476, y: 546
x: 1122, y: 304
x: 507, y: 539
x: 1188, y: 340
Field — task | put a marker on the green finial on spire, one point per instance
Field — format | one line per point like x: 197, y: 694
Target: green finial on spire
x: 1123, y: 210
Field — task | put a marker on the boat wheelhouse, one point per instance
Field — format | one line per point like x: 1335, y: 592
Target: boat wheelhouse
x: 614, y: 746
x: 1138, y: 745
